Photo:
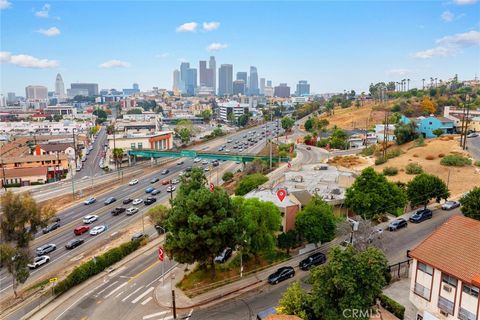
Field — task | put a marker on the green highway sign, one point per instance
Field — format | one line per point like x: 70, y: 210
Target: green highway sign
x: 188, y: 153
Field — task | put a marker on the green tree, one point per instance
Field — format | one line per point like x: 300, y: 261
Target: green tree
x: 424, y: 187
x: 57, y: 117
x: 101, y: 115
x: 405, y: 132
x: 16, y: 261
x: 117, y: 156
x: 438, y: 132
x: 242, y: 121
x: 206, y: 115
x: 135, y: 111
x: 227, y: 176
x: 250, y: 182
x: 287, y: 240
x: 184, y: 130
x: 372, y: 195
x: 471, y: 204
x: 350, y: 280
x: 316, y: 222
x: 158, y: 214
x: 294, y: 301
x: 309, y: 124
x: 287, y: 123
x: 231, y: 117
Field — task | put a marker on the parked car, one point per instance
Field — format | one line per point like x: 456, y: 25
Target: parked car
x: 72, y: 244
x: 164, y: 172
x: 376, y: 233
x: 90, y: 218
x: 227, y: 253
x: 175, y: 181
x: 206, y: 169
x: 171, y: 189
x: 312, y: 260
x: 109, y: 200
x: 138, y: 236
x: 449, y: 205
x: 51, y: 227
x: 149, y: 189
x: 472, y: 135
x: 131, y: 211
x: 38, y: 262
x: 97, y: 230
x: 117, y: 211
x: 154, y: 179
x: 46, y: 248
x: 205, y: 162
x: 281, y: 274
x: 127, y: 201
x: 421, y: 215
x: 397, y: 224
x: 149, y: 201
x: 133, y: 182
x: 137, y: 201
x: 155, y: 192
x: 89, y: 201
x: 80, y: 230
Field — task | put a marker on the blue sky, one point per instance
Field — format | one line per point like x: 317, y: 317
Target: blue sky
x: 334, y: 45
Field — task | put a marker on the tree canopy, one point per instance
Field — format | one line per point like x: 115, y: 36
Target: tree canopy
x: 287, y: 123
x: 424, y: 187
x: 250, y: 182
x: 134, y: 111
x: 316, y: 222
x: 471, y: 204
x: 405, y: 132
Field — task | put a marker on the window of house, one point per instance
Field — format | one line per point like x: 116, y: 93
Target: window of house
x: 422, y: 291
x: 140, y: 146
x: 445, y: 305
x: 449, y: 280
x: 132, y: 145
x: 471, y: 290
x: 430, y: 123
x: 466, y: 315
x: 425, y: 268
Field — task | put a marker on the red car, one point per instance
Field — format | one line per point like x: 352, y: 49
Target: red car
x: 80, y: 230
x: 165, y: 182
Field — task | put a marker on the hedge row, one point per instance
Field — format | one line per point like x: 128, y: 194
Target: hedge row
x: 95, y: 266
x: 393, y: 306
x: 455, y: 161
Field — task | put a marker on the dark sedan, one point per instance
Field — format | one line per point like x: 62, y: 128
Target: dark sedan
x: 72, y: 244
x: 421, y: 215
x: 312, y: 260
x: 149, y: 201
x: 110, y: 200
x: 281, y: 274
x: 397, y: 224
x: 51, y: 227
x: 127, y: 201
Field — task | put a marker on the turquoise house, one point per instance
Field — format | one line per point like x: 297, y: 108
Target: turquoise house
x: 426, y: 125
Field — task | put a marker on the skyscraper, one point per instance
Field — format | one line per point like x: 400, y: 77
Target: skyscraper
x: 11, y: 98
x: 239, y: 87
x: 303, y: 88
x: 136, y: 87
x: 269, y: 83
x: 242, y: 76
x: 36, y: 93
x: 282, y: 91
x: 59, y: 87
x: 184, y: 66
x: 212, y: 65
x: 253, y: 82
x: 225, y: 79
x: 191, y: 81
x: 202, y: 68
x: 262, y: 85
x: 176, y: 80
x: 92, y: 88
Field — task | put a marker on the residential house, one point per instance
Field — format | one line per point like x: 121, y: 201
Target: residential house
x: 24, y: 176
x: 380, y: 132
x: 56, y: 164
x: 445, y: 273
x: 55, y: 148
x: 426, y: 125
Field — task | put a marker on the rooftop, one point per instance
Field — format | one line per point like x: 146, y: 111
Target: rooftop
x: 24, y: 172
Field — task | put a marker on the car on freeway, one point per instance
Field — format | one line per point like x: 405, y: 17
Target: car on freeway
x: 281, y: 274
x: 154, y: 179
x: 449, y: 205
x: 175, y: 181
x: 227, y: 150
x: 224, y: 256
x: 309, y: 148
x: 188, y: 169
x: 127, y: 201
x: 196, y: 160
x: 117, y: 211
x: 138, y: 236
x: 149, y: 189
x: 165, y: 171
x: 421, y: 215
x: 397, y: 224
x: 229, y: 140
x: 205, y: 162
x: 155, y: 192
x: 171, y: 189
x: 472, y: 135
x: 89, y: 201
x: 110, y: 200
x: 133, y: 182
x: 240, y: 150
x: 80, y: 230
x: 72, y: 244
x: 215, y: 163
x: 46, y: 248
x: 38, y: 262
x: 97, y: 230
x: 206, y: 169
x: 51, y: 227
x: 90, y: 218
x: 137, y: 201
x: 131, y: 211
x: 149, y: 201
x: 312, y: 260
x: 165, y: 182
x: 179, y: 163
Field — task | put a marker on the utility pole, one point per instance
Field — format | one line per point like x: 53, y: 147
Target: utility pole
x: 467, y: 121
x: 463, y: 126
x: 271, y: 120
x: 75, y: 162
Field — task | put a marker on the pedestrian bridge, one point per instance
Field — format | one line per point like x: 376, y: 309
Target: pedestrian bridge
x: 150, y: 153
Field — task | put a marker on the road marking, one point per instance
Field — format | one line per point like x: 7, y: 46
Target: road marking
x: 111, y: 274
x: 143, y: 295
x: 190, y: 313
x: 168, y: 318
x: 153, y: 315
x: 115, y: 290
x: 119, y: 294
x: 123, y: 300
x: 99, y: 293
x: 146, y: 301
x: 144, y: 270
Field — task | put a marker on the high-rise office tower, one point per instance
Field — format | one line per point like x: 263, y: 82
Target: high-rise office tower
x: 136, y: 87
x: 225, y: 79
x: 36, y: 93
x: 242, y: 76
x: 59, y: 87
x: 239, y: 87
x: 253, y: 82
x: 11, y: 97
x: 202, y: 68
x: 212, y: 65
x: 191, y: 81
x: 303, y: 88
x: 282, y: 91
x: 262, y: 85
x: 92, y: 88
x: 176, y: 80
x: 184, y: 66
x: 269, y: 83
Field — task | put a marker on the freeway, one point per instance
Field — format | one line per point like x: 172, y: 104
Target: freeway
x: 72, y: 217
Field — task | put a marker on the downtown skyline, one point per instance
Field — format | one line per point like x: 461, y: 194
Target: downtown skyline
x: 330, y: 44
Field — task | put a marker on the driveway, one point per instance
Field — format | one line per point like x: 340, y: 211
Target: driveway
x: 473, y: 145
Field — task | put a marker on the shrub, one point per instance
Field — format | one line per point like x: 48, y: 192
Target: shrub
x: 368, y: 151
x: 413, y: 168
x: 393, y: 154
x: 390, y: 171
x: 455, y: 161
x: 415, y: 155
x: 441, y: 155
x: 430, y: 157
x: 420, y: 141
x: 380, y: 160
x: 227, y: 176
x: 322, y: 143
x: 249, y: 183
x: 393, y: 306
x: 477, y: 163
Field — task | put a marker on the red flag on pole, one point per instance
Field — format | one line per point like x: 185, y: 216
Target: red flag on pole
x: 212, y: 187
x: 161, y: 254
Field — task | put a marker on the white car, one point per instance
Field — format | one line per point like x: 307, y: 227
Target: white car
x: 97, y: 230
x: 449, y: 205
x: 90, y: 218
x: 206, y: 169
x: 171, y: 189
x: 38, y: 261
x: 133, y: 182
x: 205, y: 162
x: 175, y: 181
x: 89, y: 201
x: 131, y: 211
x: 472, y: 135
x: 137, y: 201
x: 196, y: 160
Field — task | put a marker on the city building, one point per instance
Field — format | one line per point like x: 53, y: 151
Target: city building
x: 212, y: 80
x: 92, y: 88
x: 282, y: 91
x: 36, y: 93
x: 11, y: 98
x: 59, y: 87
x: 191, y: 81
x: 239, y: 87
x: 269, y: 83
x: 184, y: 66
x: 253, y: 82
x: 225, y: 79
x: 268, y: 91
x: 23, y: 176
x: 160, y: 140
x: 71, y: 93
x: 445, y: 272
x: 231, y: 107
x: 426, y: 125
x: 303, y: 88
x: 53, y: 163
x: 135, y: 86
x: 242, y: 76
x: 176, y: 80
x: 202, y: 68
x: 262, y: 85
x: 130, y: 91
x: 61, y: 110
x: 55, y: 148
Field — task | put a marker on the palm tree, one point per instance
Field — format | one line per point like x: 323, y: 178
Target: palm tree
x: 435, y: 82
x: 118, y: 156
x: 423, y: 84
x: 431, y: 82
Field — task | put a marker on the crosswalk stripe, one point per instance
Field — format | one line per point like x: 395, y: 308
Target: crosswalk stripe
x: 143, y: 295
x: 153, y: 315
x: 119, y: 294
x: 168, y: 318
x: 124, y: 299
x: 146, y: 301
x: 115, y: 290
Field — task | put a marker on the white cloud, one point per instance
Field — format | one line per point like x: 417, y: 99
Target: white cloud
x: 51, y: 32
x: 450, y: 45
x: 44, y: 12
x: 114, y: 64
x: 26, y: 61
x: 188, y: 27
x: 398, y: 72
x: 464, y: 2
x: 210, y: 26
x: 5, y: 4
x: 163, y: 55
x: 447, y: 16
x: 216, y: 46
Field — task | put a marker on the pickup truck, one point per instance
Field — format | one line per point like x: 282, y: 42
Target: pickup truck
x: 117, y: 211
